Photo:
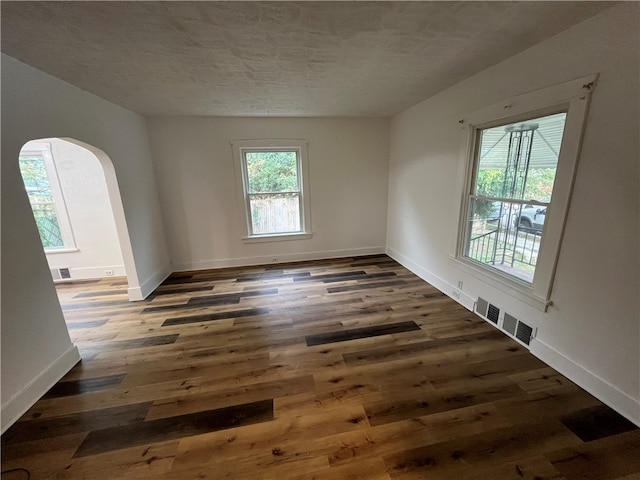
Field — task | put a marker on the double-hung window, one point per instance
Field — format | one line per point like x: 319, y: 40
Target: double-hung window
x: 521, y: 159
x: 45, y: 196
x: 274, y: 186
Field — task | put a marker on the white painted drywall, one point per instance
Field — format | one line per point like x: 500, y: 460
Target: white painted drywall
x: 348, y: 165
x: 591, y: 332
x: 86, y: 199
x: 34, y: 106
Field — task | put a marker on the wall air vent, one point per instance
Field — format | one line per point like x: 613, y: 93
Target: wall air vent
x: 60, y: 273
x: 482, y: 306
x: 509, y: 324
x: 505, y: 322
x: 493, y: 313
x: 524, y: 333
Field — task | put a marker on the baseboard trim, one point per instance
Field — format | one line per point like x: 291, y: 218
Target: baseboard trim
x: 445, y: 287
x: 86, y: 273
x: 149, y: 285
x: 621, y: 402
x: 265, y: 259
x: 17, y: 405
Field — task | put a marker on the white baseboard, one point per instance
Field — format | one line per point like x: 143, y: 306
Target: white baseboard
x: 137, y: 293
x: 17, y: 405
x: 86, y: 273
x: 624, y: 404
x: 265, y: 259
x: 446, y: 288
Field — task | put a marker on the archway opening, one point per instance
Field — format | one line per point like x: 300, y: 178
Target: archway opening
x: 76, y: 202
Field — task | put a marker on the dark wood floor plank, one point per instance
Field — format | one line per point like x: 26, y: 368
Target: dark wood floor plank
x: 597, y: 422
x: 85, y: 385
x: 365, y: 286
x: 368, y: 276
x: 172, y: 291
x: 209, y: 317
x: 142, y: 433
x: 50, y: 427
x: 365, y: 332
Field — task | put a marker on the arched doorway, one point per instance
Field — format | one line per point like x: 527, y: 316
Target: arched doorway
x: 84, y: 230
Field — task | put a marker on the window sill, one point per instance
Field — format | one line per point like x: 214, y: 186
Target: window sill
x: 506, y: 284
x: 49, y: 251
x: 277, y: 238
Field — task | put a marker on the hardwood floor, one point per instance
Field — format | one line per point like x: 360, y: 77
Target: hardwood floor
x: 341, y: 369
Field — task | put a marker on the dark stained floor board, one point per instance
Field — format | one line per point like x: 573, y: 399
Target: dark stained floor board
x: 450, y: 398
x: 78, y: 387
x: 356, y: 333
x: 214, y: 316
x: 141, y: 433
x: 597, y: 422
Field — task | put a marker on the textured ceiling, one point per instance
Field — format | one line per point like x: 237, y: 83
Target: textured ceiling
x: 275, y: 58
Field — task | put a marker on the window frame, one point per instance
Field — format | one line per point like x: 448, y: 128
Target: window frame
x: 43, y: 149
x: 300, y: 147
x: 572, y: 97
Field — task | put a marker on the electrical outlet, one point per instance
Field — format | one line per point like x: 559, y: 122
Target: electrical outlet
x: 108, y: 273
x: 460, y: 283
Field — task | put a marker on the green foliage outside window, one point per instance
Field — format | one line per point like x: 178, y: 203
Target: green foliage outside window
x: 490, y: 183
x: 36, y: 182
x: 271, y: 172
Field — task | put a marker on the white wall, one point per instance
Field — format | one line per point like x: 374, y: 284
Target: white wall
x: 86, y: 198
x: 591, y: 332
x: 348, y: 166
x: 36, y: 349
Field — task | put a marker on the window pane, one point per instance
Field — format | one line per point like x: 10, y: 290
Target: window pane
x: 35, y: 178
x: 271, y: 172
x: 275, y: 213
x: 36, y: 182
x: 505, y: 235
x: 519, y: 160
x: 48, y: 227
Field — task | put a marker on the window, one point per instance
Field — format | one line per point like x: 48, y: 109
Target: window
x: 514, y: 171
x: 520, y: 165
x: 45, y: 195
x: 273, y: 184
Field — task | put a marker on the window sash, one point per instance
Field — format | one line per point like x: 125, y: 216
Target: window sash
x: 572, y: 97
x: 43, y: 151
x: 302, y: 221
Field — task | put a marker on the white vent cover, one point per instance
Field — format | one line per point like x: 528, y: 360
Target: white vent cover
x: 487, y: 310
x: 60, y: 273
x: 510, y: 324
x: 482, y: 306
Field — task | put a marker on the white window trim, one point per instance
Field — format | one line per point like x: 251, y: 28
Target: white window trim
x: 43, y: 149
x: 239, y: 148
x: 574, y: 98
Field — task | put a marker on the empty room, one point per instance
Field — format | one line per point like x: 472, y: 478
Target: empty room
x: 320, y: 240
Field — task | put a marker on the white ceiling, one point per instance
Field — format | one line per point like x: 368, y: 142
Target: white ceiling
x: 275, y: 58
